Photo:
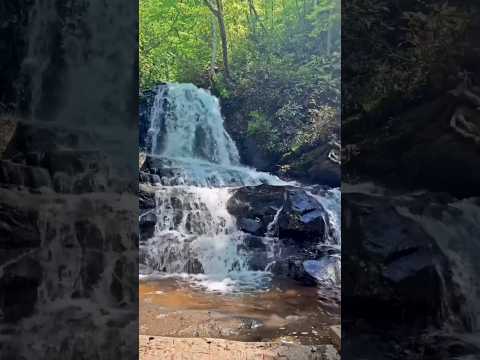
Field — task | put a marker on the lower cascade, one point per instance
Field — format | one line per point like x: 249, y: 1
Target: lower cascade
x: 226, y: 226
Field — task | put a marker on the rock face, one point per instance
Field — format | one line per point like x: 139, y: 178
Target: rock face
x: 154, y: 347
x: 420, y: 148
x: 289, y: 212
x: 403, y: 265
x: 408, y: 270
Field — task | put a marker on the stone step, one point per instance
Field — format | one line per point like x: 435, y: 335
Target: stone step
x: 336, y: 336
x: 156, y: 347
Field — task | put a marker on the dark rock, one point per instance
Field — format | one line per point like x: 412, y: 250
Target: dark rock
x: 62, y: 183
x: 24, y: 175
x: 147, y: 225
x: 256, y: 250
x: 89, y: 182
x: 116, y: 286
x: 302, y: 218
x: 18, y: 227
x: 420, y: 149
x: 404, y: 273
x: 314, y: 166
x: 89, y: 235
x: 93, y: 263
x: 300, y: 228
x: 74, y: 162
x: 254, y: 242
x: 252, y: 226
x: 293, y: 268
x: 18, y: 289
x: 115, y: 240
x: 257, y: 203
x: 146, y: 200
x: 325, y: 270
x: 194, y: 266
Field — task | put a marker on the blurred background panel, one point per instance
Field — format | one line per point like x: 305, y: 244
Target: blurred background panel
x: 68, y: 179
x: 410, y: 175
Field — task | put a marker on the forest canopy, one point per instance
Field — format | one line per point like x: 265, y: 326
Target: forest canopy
x: 181, y: 40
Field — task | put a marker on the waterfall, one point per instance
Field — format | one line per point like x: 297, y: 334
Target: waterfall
x: 186, y: 122
x: 457, y: 233
x: 193, y: 167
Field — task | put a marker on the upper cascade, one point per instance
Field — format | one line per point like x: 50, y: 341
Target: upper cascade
x: 186, y: 122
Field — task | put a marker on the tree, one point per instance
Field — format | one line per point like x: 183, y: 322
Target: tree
x: 217, y: 11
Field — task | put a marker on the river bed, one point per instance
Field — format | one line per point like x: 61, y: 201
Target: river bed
x: 287, y: 312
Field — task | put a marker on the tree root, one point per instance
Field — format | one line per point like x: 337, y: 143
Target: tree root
x: 459, y: 121
x: 334, y: 154
x: 461, y: 125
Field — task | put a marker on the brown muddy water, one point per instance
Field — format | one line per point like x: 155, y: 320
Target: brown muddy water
x: 287, y: 312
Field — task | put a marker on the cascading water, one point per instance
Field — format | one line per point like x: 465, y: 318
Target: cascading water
x: 194, y: 166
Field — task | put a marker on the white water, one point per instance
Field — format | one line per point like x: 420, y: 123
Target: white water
x: 198, y: 166
x: 459, y: 238
x: 187, y: 123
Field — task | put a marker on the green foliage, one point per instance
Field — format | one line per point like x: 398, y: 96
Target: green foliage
x: 410, y: 53
x: 284, y: 60
x: 260, y: 128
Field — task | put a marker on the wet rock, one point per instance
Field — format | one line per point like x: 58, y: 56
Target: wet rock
x: 252, y: 226
x: 301, y: 217
x: 254, y: 242
x: 147, y: 178
x: 294, y: 269
x: 146, y: 199
x: 18, y: 227
x: 147, y: 225
x: 194, y: 266
x: 93, y: 265
x: 24, y: 175
x: 256, y: 204
x: 62, y: 183
x: 404, y: 271
x: 89, y: 235
x: 326, y: 270
x: 288, y: 214
x: 18, y: 289
x: 74, y: 162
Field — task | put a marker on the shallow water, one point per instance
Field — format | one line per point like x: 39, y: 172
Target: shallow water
x: 286, y: 312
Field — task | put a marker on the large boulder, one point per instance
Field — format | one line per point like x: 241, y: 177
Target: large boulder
x: 392, y: 268
x: 302, y: 218
x: 285, y: 217
x: 284, y: 211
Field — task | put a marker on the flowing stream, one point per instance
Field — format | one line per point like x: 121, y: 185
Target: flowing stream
x: 197, y: 168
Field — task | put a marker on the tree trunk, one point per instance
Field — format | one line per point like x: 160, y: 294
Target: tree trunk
x: 218, y: 12
x: 329, y: 34
x: 213, y: 60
